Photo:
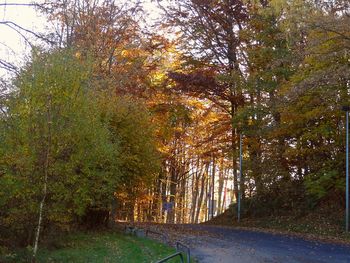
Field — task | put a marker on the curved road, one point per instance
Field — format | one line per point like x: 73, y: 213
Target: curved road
x: 211, y: 244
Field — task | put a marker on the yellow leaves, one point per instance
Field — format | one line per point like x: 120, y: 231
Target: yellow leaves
x: 158, y: 77
x: 78, y: 54
x: 195, y: 103
x: 132, y: 53
x: 125, y: 53
x: 144, y: 199
x: 121, y: 195
x: 164, y: 149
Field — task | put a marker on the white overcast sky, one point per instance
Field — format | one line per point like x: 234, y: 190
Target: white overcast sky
x: 13, y: 48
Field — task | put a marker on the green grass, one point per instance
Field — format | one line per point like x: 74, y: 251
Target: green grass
x: 97, y: 247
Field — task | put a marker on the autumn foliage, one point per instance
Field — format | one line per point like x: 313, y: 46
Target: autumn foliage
x: 119, y: 121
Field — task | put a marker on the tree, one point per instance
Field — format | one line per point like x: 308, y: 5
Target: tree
x: 271, y: 62
x: 313, y: 97
x: 58, y: 159
x: 215, y: 58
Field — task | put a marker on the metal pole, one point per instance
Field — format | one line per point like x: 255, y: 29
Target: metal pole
x: 239, y: 179
x: 347, y: 173
x: 213, y: 189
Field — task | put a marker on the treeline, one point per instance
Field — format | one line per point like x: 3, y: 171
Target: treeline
x: 277, y: 73
x: 117, y: 121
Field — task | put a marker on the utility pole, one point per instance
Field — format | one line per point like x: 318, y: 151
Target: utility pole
x: 347, y: 172
x: 347, y: 109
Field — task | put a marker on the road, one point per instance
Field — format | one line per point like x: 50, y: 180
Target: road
x: 211, y: 244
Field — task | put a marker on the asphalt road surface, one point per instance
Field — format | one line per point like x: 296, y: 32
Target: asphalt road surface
x: 229, y: 245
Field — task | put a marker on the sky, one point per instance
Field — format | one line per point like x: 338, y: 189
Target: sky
x: 13, y: 47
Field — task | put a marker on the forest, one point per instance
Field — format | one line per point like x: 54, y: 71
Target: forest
x: 118, y: 117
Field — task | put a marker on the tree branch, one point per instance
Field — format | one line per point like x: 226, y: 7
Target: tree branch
x: 13, y: 25
x: 8, y: 66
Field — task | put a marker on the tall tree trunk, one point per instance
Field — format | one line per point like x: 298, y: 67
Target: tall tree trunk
x: 225, y: 191
x: 46, y: 171
x: 113, y: 212
x: 234, y: 151
x: 206, y: 196
x: 195, y: 187
x: 186, y: 210
x: 200, y: 198
x: 220, y: 186
x: 172, y: 188
x: 213, y: 189
x: 163, y: 197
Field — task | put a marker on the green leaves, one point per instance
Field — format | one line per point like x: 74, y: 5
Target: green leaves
x: 130, y: 124
x: 99, y: 145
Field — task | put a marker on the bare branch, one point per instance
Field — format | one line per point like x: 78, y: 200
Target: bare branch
x: 8, y: 66
x: 18, y: 4
x: 13, y: 25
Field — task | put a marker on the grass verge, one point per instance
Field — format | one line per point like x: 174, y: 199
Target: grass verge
x: 96, y: 247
